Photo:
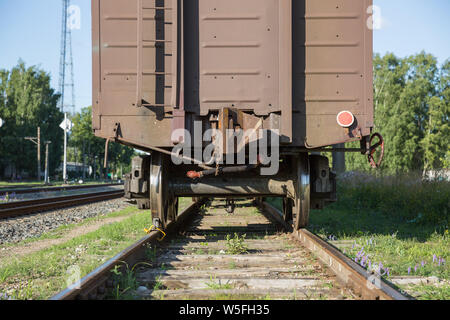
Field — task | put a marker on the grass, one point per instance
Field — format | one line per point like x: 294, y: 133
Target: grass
x: 430, y: 292
x: 46, y: 269
x: 61, y: 231
x: 183, y: 203
x: 412, y: 199
x: 159, y: 285
x: 18, y: 184
x: 43, y: 273
x: 218, y: 285
x: 396, y: 226
x: 125, y: 283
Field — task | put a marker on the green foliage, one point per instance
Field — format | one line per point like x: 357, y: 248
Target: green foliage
x: 26, y: 102
x: 399, y: 222
x: 86, y: 143
x: 407, y: 197
x: 411, y: 101
x: 218, y: 285
x: 236, y: 245
x: 125, y: 283
x: 46, y: 268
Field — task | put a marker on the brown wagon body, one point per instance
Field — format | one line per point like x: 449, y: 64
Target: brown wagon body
x: 285, y: 65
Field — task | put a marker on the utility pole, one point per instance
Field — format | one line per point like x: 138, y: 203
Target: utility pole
x: 84, y: 160
x: 66, y: 125
x: 95, y: 166
x: 47, y: 180
x: 65, y: 150
x: 37, y: 141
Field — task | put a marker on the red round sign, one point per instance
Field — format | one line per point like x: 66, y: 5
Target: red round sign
x: 345, y: 119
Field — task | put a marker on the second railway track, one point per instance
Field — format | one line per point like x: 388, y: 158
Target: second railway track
x: 200, y: 262
x: 37, y: 189
x: 20, y: 208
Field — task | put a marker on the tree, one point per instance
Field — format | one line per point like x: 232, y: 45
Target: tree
x: 436, y: 143
x: 411, y: 113
x: 84, y: 140
x: 27, y: 102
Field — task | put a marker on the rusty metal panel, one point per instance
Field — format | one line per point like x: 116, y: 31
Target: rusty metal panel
x: 95, y: 11
x: 240, y: 52
x: 134, y: 60
x: 136, y: 39
x: 332, y: 69
x: 160, y: 64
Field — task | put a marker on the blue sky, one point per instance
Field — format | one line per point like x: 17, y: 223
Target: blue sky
x: 30, y: 30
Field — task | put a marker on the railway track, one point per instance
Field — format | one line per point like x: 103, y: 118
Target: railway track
x: 20, y: 208
x: 197, y: 261
x: 29, y: 190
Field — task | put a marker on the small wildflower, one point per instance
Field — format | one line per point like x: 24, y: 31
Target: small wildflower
x: 434, y: 258
x: 363, y: 262
x: 360, y: 253
x: 4, y: 296
x: 409, y: 270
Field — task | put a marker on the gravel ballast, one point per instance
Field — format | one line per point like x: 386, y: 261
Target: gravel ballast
x: 14, y: 230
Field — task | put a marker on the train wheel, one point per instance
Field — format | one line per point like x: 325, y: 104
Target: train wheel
x: 159, y: 195
x: 301, y: 202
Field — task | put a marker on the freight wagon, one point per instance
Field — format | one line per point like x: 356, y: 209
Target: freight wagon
x: 233, y: 98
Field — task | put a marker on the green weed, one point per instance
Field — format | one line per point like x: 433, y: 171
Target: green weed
x: 218, y: 285
x: 236, y: 245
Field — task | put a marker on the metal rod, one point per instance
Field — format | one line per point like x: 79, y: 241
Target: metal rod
x: 339, y: 159
x: 236, y: 186
x: 39, y: 153
x: 334, y: 150
x: 46, y: 177
x: 105, y: 162
x: 173, y: 154
x: 37, y: 141
x: 65, y: 149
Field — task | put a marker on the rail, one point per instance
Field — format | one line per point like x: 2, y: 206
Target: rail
x: 20, y: 208
x: 29, y: 190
